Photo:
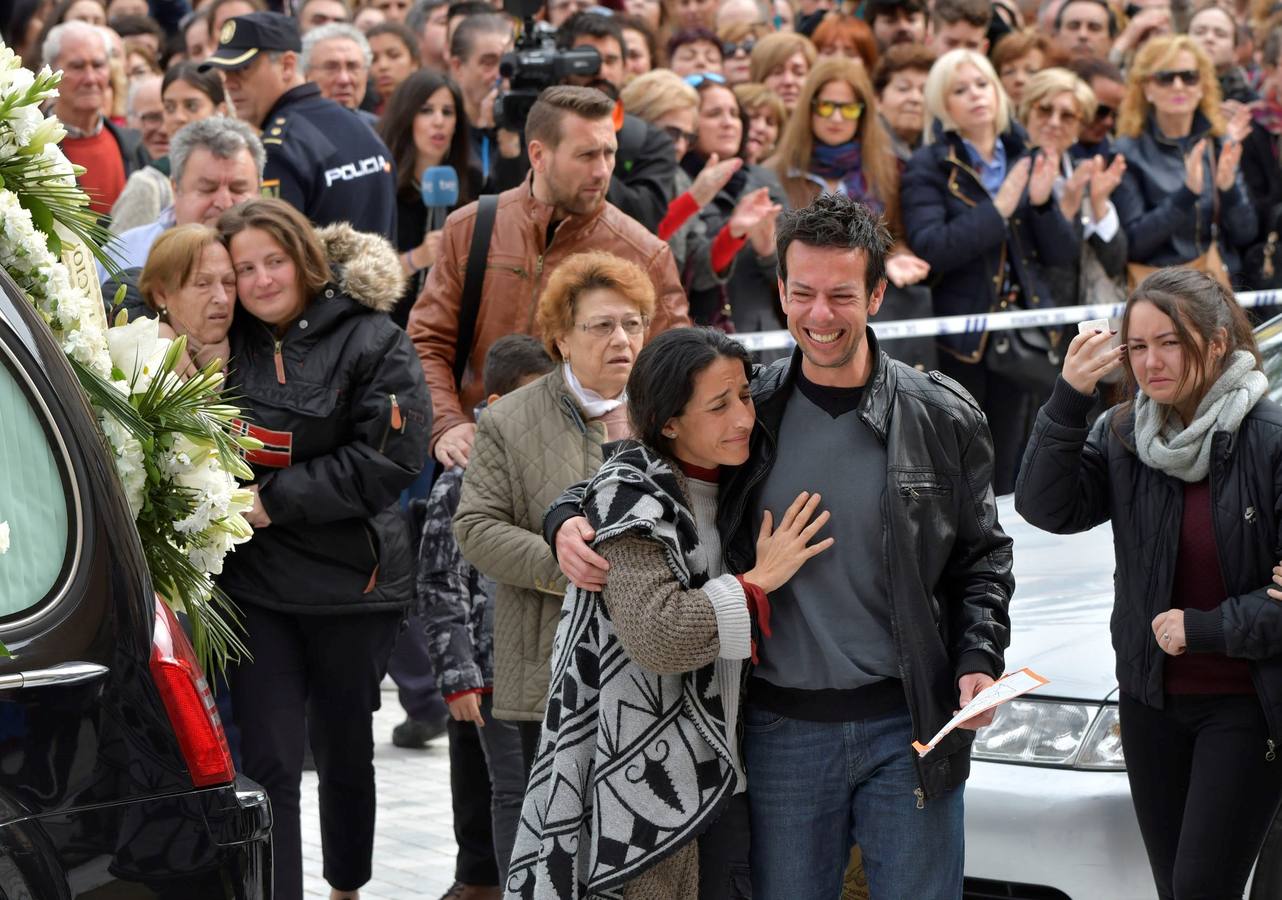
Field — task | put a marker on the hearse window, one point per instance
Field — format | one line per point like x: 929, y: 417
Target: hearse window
x: 33, y: 499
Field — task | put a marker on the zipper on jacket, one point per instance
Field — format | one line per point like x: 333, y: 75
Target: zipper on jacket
x: 280, y: 363
x: 921, y: 797
x: 395, y: 421
x: 1272, y: 754
x: 534, y: 298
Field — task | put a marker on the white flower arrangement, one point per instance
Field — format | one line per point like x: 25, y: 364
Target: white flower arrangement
x: 174, y: 440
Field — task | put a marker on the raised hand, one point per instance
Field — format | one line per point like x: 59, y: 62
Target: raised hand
x: 715, y: 175
x: 1070, y: 198
x: 1106, y: 180
x: 1195, y: 168
x: 904, y: 269
x: 1090, y: 358
x: 1007, y: 197
x: 1042, y: 179
x: 749, y: 212
x: 781, y: 552
x: 1226, y: 165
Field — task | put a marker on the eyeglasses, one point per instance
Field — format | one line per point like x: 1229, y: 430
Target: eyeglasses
x: 825, y: 108
x: 1167, y: 77
x: 603, y: 328
x: 1051, y: 111
x: 1103, y: 112
x: 698, y: 78
x: 730, y: 49
x: 680, y: 134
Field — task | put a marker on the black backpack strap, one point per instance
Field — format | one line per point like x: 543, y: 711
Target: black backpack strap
x: 487, y: 209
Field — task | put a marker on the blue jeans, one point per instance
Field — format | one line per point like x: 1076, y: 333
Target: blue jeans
x: 817, y: 788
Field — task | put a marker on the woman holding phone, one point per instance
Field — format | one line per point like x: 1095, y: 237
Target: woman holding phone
x: 1190, y: 474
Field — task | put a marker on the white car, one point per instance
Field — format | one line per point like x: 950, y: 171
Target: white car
x: 1048, y: 806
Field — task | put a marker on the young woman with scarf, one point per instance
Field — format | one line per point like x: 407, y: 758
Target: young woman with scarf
x: 638, y: 787
x: 1189, y: 471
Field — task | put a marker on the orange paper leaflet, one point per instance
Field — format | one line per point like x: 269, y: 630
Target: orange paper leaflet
x: 1008, y: 688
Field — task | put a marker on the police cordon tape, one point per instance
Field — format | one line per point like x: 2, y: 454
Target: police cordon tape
x: 997, y: 321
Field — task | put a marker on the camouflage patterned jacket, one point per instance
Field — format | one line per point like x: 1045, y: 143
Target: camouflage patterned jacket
x: 455, y: 600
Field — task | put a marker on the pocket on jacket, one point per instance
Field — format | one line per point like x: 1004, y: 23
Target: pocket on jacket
x: 393, y: 550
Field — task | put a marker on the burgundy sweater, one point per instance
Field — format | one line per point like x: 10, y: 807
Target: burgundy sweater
x: 1199, y: 584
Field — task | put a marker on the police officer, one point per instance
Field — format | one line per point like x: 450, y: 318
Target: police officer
x: 320, y: 157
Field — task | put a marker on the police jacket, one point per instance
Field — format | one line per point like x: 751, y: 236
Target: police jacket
x: 1166, y: 223
x: 340, y: 406
x: 1075, y: 476
x: 328, y: 163
x: 947, y: 560
x: 951, y: 222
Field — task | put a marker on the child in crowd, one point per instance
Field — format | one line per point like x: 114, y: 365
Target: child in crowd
x: 457, y: 605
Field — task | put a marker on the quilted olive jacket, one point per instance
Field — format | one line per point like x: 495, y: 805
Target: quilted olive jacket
x: 530, y: 446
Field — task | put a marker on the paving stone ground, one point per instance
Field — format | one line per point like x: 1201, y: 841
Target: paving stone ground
x: 414, y: 837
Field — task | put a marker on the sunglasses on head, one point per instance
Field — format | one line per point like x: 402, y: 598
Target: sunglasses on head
x: 679, y: 134
x: 730, y: 49
x: 1166, y: 77
x: 825, y: 108
x: 699, y: 78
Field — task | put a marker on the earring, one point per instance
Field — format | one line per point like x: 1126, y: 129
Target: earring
x: 669, y: 434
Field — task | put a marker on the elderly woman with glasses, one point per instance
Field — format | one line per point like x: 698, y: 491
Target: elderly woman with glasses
x: 1183, y: 200
x: 533, y: 444
x: 1056, y: 103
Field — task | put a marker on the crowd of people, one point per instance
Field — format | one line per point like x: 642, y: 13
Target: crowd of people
x: 585, y: 538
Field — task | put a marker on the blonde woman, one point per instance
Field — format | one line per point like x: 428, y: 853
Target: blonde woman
x: 1183, y: 198
x: 978, y: 207
x: 1056, y: 103
x: 781, y: 62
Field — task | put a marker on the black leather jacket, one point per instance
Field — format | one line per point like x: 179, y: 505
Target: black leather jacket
x: 948, y: 562
x: 1074, y: 477
x: 1167, y: 224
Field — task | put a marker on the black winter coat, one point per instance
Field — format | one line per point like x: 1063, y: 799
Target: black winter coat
x: 947, y: 560
x: 950, y: 221
x: 342, y: 408
x: 1167, y: 224
x: 1075, y: 476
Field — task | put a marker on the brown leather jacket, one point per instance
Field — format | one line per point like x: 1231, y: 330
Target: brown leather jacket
x: 519, y: 263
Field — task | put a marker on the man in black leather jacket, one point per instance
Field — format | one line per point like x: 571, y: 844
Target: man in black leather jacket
x: 879, y: 641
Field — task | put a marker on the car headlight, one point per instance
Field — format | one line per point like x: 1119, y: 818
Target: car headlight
x: 1052, y: 733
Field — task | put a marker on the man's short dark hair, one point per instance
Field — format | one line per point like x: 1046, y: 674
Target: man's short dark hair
x: 511, y: 360
x: 835, y: 220
x: 543, y: 124
x: 662, y: 380
x: 1089, y: 68
x: 978, y: 13
x: 891, y: 7
x: 1102, y: 4
x: 131, y: 26
x: 588, y: 24
x: 463, y: 43
x: 420, y: 12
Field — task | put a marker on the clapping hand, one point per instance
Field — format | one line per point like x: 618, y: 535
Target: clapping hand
x: 715, y: 175
x: 1194, y: 167
x: 1007, y: 196
x: 1042, y: 179
x: 1070, y: 198
x: 1105, y: 181
x: 1226, y: 166
x: 905, y: 268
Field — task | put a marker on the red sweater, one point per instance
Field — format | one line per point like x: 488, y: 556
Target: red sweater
x: 1199, y: 584
x: 104, y: 176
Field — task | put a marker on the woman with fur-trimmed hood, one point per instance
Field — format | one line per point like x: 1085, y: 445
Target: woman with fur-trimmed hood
x: 334, y: 391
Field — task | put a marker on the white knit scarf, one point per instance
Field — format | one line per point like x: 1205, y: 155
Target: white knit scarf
x: 1184, y: 451
x: 593, y: 403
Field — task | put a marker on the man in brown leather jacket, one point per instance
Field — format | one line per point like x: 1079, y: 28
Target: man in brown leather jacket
x: 559, y: 210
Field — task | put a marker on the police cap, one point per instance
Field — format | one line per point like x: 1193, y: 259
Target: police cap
x: 242, y: 37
